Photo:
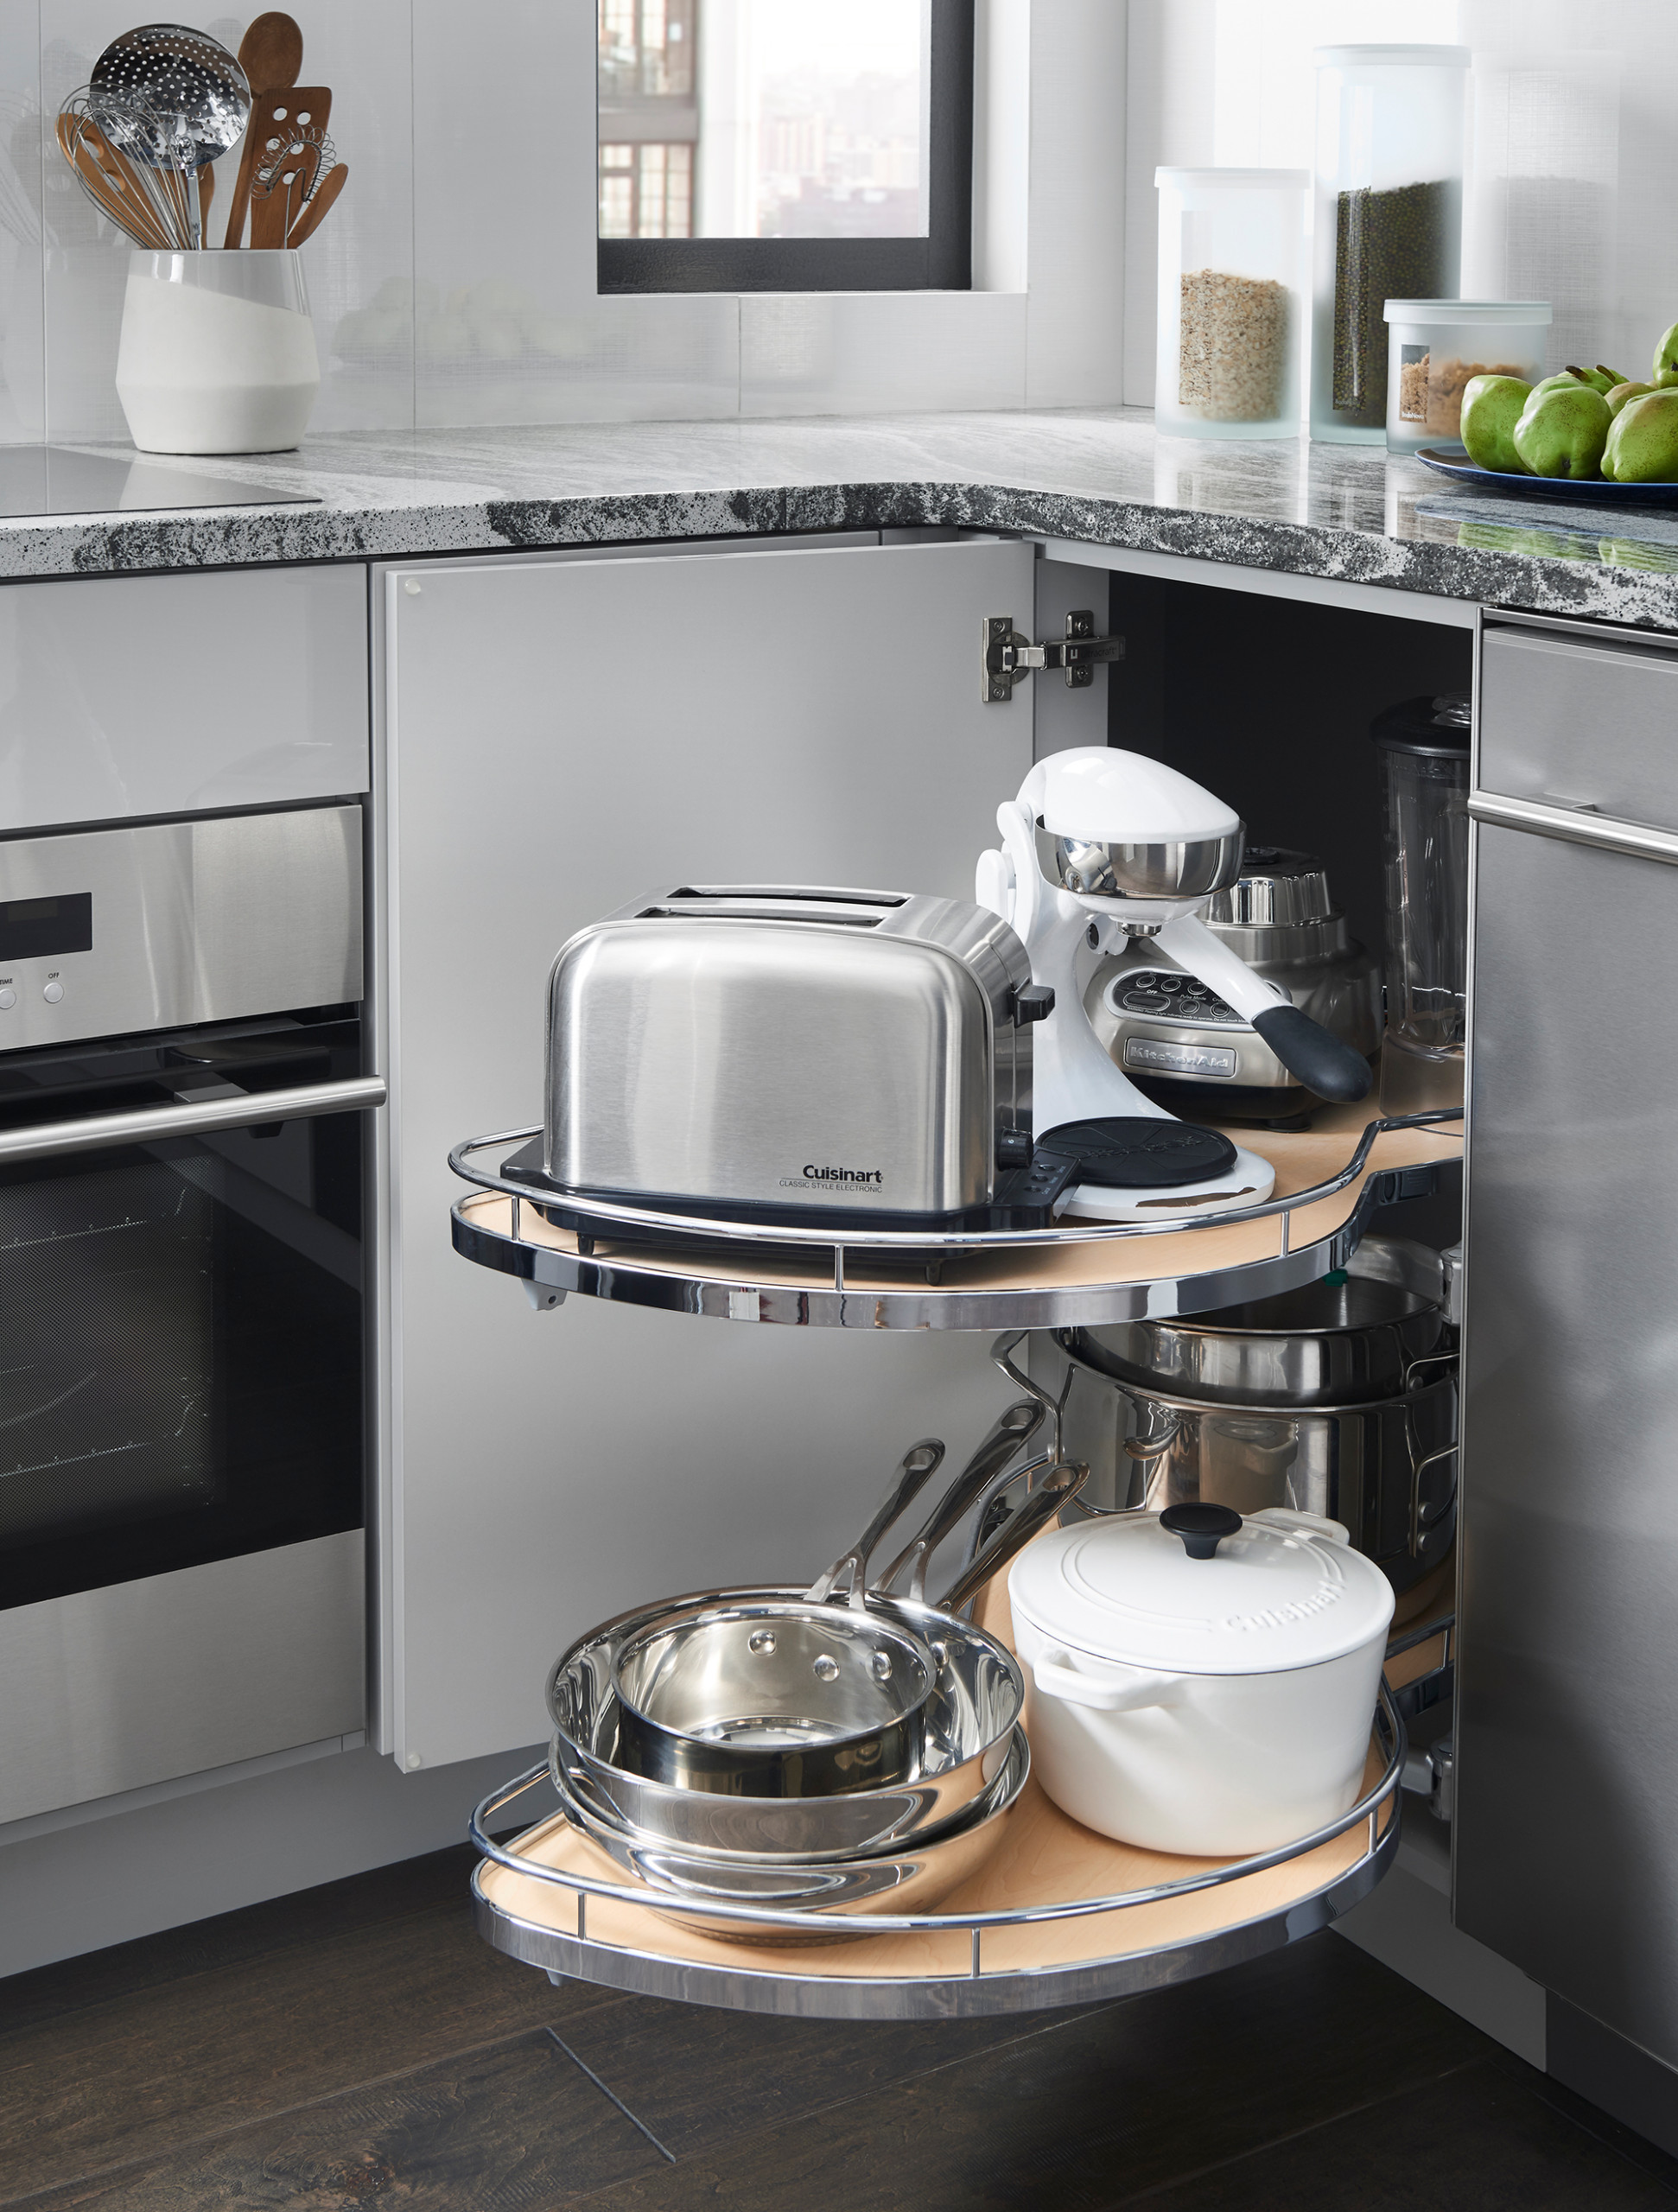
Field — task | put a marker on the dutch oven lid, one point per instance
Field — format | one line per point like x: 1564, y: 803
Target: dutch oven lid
x: 1197, y: 1590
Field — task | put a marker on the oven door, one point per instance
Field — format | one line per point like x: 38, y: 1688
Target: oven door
x: 183, y: 1425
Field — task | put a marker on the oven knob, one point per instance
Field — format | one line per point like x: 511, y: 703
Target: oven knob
x: 8, y: 1000
x: 53, y: 993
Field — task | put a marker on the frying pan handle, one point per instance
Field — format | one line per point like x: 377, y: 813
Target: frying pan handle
x: 920, y: 1463
x: 1012, y: 1430
x: 1001, y: 1353
x: 1059, y: 1486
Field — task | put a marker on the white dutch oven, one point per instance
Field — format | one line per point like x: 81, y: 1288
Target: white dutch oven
x: 1200, y: 1683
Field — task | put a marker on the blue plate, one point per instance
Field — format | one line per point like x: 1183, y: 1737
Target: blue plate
x: 1587, y: 491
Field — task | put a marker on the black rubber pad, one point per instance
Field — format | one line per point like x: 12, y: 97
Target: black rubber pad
x: 1138, y: 1152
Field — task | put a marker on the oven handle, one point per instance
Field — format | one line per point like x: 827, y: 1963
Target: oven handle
x: 42, y: 1140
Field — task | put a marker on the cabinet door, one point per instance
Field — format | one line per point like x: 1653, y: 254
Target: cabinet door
x: 1566, y: 1802
x: 562, y: 735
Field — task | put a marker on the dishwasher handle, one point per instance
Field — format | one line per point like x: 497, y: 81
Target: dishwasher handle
x: 1576, y: 825
x: 98, y: 1132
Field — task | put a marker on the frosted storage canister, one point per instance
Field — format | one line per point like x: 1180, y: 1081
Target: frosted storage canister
x: 1199, y: 1682
x: 1434, y: 348
x: 1388, y: 215
x: 1232, y: 302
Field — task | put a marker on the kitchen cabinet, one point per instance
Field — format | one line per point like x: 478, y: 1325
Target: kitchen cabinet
x: 561, y: 734
x: 1566, y: 1785
x: 127, y: 696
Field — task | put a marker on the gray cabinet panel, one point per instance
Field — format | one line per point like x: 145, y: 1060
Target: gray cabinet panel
x: 562, y: 735
x: 1567, y: 1827
x: 129, y: 695
x: 1581, y: 719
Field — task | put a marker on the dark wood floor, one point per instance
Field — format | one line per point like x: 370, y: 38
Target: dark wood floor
x: 357, y: 2045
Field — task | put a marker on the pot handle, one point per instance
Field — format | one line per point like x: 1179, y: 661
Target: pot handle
x: 1314, y: 1524
x: 1418, y: 1469
x: 1056, y: 1676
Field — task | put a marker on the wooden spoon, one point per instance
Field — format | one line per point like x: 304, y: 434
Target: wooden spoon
x: 271, y: 56
x: 309, y: 221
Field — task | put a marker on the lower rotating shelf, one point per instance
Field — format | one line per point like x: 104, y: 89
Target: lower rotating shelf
x: 1330, y: 1179
x: 1058, y: 1915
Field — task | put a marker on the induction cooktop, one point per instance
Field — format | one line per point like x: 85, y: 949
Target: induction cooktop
x: 56, y: 481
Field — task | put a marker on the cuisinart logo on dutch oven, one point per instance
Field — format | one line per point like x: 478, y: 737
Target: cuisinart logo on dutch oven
x: 832, y: 1176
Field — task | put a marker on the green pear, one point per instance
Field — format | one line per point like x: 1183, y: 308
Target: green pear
x: 1599, y: 380
x: 1562, y: 377
x: 1630, y: 390
x: 1562, y: 432
x: 1643, y: 445
x: 1667, y: 377
x: 1492, y: 408
x: 1666, y: 357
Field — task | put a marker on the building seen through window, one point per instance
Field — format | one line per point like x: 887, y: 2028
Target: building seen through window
x: 764, y: 118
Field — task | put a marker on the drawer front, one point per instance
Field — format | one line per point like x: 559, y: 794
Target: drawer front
x: 1580, y: 721
x: 131, y: 695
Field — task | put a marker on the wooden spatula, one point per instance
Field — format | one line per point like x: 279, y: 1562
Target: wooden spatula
x: 271, y: 56
x: 295, y: 119
x: 109, y: 181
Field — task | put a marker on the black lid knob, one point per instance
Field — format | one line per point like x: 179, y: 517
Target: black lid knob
x: 1201, y: 1528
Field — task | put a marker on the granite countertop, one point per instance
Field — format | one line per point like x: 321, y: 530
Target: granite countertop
x: 1346, y: 513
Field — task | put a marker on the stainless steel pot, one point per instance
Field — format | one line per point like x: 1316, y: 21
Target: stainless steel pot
x: 1337, y: 1399
x: 1369, y: 1332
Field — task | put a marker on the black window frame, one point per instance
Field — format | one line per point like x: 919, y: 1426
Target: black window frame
x: 941, y: 261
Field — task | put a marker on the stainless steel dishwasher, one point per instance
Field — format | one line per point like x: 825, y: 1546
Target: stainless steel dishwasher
x: 1566, y: 1836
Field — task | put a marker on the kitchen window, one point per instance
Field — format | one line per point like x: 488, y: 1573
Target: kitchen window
x: 785, y: 146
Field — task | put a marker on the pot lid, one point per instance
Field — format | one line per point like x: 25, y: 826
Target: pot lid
x: 1268, y: 1593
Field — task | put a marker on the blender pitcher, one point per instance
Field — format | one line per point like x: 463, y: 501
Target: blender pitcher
x: 1424, y: 750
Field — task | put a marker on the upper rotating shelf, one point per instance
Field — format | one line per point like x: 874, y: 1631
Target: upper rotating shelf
x: 1330, y: 1179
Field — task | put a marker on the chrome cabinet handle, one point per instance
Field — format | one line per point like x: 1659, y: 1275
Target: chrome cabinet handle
x: 1575, y: 826
x: 95, y: 1132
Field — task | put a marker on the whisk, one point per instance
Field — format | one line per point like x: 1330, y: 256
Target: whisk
x: 163, y: 101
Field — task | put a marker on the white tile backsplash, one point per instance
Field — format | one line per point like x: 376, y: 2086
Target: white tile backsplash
x: 453, y: 282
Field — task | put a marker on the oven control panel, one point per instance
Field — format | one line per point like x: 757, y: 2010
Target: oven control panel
x: 106, y: 933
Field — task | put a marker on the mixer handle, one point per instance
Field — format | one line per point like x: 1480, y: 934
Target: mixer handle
x: 1321, y: 1060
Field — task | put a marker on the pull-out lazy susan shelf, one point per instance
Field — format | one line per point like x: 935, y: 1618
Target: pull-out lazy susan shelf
x: 1330, y: 1179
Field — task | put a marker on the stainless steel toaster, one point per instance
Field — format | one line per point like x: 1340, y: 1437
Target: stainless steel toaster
x: 783, y: 1049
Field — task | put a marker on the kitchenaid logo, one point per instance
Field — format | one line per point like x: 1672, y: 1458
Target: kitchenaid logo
x: 812, y: 1174
x: 1301, y: 1609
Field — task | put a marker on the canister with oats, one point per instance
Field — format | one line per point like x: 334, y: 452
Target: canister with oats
x: 1232, y: 302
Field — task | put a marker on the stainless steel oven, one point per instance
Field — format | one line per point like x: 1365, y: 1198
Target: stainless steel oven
x: 183, y: 1122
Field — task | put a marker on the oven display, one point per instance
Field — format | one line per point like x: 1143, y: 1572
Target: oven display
x: 37, y: 929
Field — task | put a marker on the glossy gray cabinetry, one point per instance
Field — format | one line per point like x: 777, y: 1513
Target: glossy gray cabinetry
x: 1567, y: 1827
x: 123, y: 696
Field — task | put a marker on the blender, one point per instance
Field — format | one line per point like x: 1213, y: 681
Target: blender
x: 1424, y: 759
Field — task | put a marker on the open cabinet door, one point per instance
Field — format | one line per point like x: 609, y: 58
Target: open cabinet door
x: 561, y: 735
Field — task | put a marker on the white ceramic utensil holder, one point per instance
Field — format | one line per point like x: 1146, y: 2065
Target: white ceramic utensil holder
x: 217, y: 352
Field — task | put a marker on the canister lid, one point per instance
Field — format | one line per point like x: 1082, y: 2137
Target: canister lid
x: 1235, y: 180
x: 1438, y: 726
x: 1270, y: 1598
x: 1491, y: 313
x: 1392, y: 57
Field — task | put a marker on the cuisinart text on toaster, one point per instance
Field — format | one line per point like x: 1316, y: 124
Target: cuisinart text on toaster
x: 874, y: 1176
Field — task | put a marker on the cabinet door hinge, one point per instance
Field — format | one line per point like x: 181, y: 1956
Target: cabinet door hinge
x: 1009, y: 655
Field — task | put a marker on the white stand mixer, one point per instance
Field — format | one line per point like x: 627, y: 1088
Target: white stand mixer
x: 1100, y: 845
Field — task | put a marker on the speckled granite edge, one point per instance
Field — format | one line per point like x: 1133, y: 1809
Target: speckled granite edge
x: 238, y: 537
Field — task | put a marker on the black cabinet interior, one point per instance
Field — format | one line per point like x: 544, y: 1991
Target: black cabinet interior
x: 1268, y: 702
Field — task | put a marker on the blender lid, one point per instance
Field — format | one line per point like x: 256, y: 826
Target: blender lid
x: 1437, y: 726
x: 1268, y: 1598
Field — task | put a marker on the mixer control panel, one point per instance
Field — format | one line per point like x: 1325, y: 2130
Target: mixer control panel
x: 1167, y: 994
